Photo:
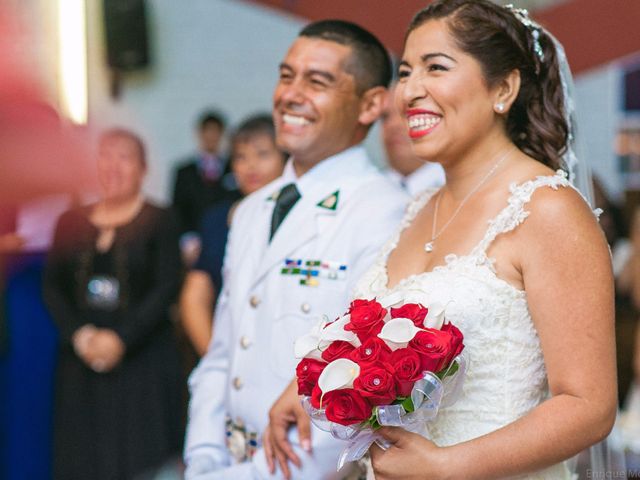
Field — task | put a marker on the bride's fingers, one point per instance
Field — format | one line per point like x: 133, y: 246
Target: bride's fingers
x: 281, y: 445
x: 377, y: 462
x: 393, y: 435
x: 283, y: 463
x: 375, y: 451
x: 268, y: 450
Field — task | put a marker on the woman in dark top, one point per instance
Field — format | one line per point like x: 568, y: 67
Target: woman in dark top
x: 112, y: 274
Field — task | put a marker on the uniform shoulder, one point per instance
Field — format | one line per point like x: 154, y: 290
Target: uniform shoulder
x: 377, y: 189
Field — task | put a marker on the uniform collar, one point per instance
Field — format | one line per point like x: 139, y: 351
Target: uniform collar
x: 327, y: 172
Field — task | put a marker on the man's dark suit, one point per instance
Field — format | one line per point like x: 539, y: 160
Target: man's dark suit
x: 193, y: 194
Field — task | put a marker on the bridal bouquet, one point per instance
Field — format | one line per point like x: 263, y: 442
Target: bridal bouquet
x: 377, y: 366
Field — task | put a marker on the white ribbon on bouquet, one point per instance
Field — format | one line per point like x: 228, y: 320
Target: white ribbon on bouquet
x: 428, y: 395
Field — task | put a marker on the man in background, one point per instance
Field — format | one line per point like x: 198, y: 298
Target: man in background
x: 199, y: 183
x: 413, y: 174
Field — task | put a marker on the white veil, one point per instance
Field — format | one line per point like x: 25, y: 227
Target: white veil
x: 574, y: 161
x: 574, y: 164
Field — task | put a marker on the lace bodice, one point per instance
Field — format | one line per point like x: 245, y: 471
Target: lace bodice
x: 506, y: 377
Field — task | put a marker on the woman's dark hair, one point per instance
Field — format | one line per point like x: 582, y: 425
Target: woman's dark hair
x: 115, y: 133
x: 501, y: 43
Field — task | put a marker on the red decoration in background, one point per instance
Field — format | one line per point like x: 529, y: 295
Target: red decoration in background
x: 594, y: 32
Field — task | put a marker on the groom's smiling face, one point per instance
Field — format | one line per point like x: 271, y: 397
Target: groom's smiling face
x: 316, y: 103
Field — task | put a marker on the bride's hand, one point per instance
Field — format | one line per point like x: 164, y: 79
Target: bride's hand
x: 409, y: 457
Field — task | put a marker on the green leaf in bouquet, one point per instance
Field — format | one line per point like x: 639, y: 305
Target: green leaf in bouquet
x: 407, y: 404
x: 374, y: 424
x: 447, y: 372
x: 372, y: 421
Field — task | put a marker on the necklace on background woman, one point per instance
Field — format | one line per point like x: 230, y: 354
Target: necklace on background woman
x: 428, y: 247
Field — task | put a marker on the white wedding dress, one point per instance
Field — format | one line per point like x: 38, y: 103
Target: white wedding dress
x: 506, y: 377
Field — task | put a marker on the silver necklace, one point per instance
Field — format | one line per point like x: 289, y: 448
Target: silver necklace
x: 428, y: 247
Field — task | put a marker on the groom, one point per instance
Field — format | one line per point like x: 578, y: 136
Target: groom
x: 295, y: 250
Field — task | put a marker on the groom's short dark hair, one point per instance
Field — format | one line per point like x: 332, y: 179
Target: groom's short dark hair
x: 370, y: 63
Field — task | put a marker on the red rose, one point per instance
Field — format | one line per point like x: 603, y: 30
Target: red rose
x: 413, y: 311
x: 434, y: 347
x: 308, y: 371
x: 337, y: 349
x: 366, y: 318
x: 316, y: 393
x: 372, y: 350
x: 376, y: 382
x: 456, y: 340
x: 346, y: 406
x: 408, y: 367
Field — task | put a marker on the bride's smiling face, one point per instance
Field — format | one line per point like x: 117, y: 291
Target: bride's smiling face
x: 442, y: 94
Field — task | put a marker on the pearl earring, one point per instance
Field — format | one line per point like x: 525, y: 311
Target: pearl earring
x: 500, y: 107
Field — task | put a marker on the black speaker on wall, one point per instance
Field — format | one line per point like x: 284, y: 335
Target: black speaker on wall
x: 126, y: 34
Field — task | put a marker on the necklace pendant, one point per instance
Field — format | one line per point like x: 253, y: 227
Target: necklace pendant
x: 428, y: 247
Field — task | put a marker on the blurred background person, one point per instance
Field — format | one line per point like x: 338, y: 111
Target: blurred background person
x: 255, y: 162
x: 626, y: 262
x: 28, y: 339
x: 624, y: 251
x: 199, y: 183
x: 410, y: 172
x: 113, y: 271
x: 40, y: 156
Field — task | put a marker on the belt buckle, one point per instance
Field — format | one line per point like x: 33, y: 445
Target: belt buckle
x: 241, y: 442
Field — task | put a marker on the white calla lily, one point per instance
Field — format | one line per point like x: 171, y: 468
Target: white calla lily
x: 435, y: 316
x: 338, y: 374
x: 335, y: 331
x: 398, y: 332
x: 392, y: 300
x: 309, y: 345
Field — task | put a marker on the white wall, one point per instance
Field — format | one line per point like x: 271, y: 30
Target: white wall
x: 219, y: 53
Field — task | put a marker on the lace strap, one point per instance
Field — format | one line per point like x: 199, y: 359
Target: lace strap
x: 514, y: 213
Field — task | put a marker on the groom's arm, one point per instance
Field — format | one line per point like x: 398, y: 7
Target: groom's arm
x: 318, y: 465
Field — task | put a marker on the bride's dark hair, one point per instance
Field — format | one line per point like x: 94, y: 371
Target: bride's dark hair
x: 501, y: 43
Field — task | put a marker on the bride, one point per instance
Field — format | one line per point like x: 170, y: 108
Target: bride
x: 508, y: 244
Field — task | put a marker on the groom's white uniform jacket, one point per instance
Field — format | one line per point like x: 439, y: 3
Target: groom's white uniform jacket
x: 276, y: 291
